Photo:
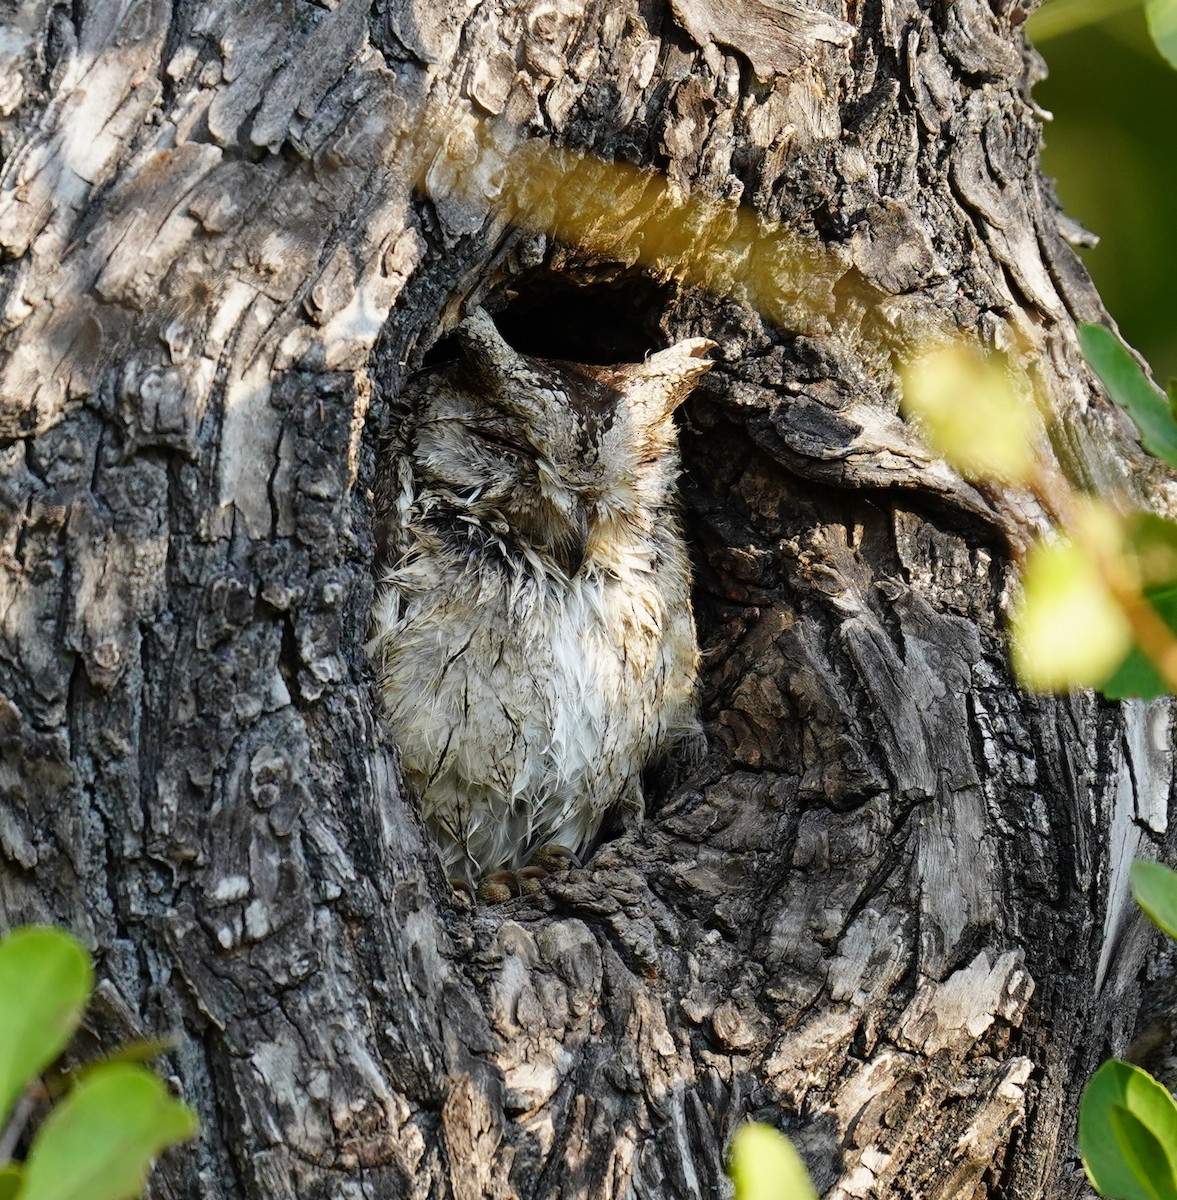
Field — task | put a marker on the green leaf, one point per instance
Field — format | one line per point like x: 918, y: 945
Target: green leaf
x: 1152, y: 543
x: 1129, y: 387
x: 99, y: 1142
x: 10, y: 1181
x: 140, y: 1050
x: 1137, y: 676
x: 1162, y: 24
x: 1112, y: 1151
x: 1144, y: 1156
x: 765, y: 1166
x: 1155, y: 887
x: 45, y: 981
x: 1066, y: 630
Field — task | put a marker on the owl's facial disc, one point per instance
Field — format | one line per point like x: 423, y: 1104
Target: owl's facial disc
x: 501, y: 469
x: 554, y: 457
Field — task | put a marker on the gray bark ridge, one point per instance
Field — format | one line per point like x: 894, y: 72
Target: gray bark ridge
x: 890, y: 914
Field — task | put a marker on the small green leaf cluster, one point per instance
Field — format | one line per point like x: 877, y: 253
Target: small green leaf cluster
x: 1127, y: 1120
x: 1098, y: 605
x: 764, y: 1165
x: 1150, y: 541
x: 98, y: 1142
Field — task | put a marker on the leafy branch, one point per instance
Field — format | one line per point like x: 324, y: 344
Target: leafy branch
x: 98, y: 1142
x: 1127, y: 1120
x: 1098, y: 603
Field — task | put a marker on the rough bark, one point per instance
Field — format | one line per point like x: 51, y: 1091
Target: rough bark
x: 889, y: 913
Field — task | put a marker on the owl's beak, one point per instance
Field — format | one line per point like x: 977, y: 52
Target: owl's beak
x: 561, y: 523
x: 572, y: 544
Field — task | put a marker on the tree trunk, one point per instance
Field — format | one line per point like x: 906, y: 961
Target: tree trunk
x: 889, y: 913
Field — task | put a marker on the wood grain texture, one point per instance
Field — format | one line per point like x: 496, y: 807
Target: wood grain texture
x: 889, y: 912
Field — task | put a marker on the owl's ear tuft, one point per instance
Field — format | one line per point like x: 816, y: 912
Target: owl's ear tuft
x: 485, y: 351
x: 656, y: 387
x: 497, y: 366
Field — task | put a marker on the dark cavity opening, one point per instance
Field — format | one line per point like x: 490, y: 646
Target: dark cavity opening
x: 600, y: 315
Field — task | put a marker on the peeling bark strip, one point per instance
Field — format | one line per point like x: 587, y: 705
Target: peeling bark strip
x: 891, y: 912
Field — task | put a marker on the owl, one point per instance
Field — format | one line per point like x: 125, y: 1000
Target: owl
x: 533, y: 629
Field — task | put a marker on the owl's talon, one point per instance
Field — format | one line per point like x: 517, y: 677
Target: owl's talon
x: 553, y: 858
x: 502, y: 886
x: 528, y: 879
x: 498, y: 888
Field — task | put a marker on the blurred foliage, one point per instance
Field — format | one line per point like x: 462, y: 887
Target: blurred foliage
x: 1162, y: 24
x: 1098, y: 601
x: 99, y: 1137
x: 995, y: 434
x: 765, y: 1165
x: 1112, y: 151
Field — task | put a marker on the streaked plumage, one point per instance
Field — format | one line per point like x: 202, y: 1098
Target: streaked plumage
x: 533, y: 628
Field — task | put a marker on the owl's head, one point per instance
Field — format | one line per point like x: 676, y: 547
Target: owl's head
x: 556, y: 457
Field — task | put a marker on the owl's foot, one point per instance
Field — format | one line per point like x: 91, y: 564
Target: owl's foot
x: 497, y: 888
x: 502, y: 886
x: 506, y: 885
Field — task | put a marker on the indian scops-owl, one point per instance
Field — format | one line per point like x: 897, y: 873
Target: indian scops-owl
x: 533, y: 628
